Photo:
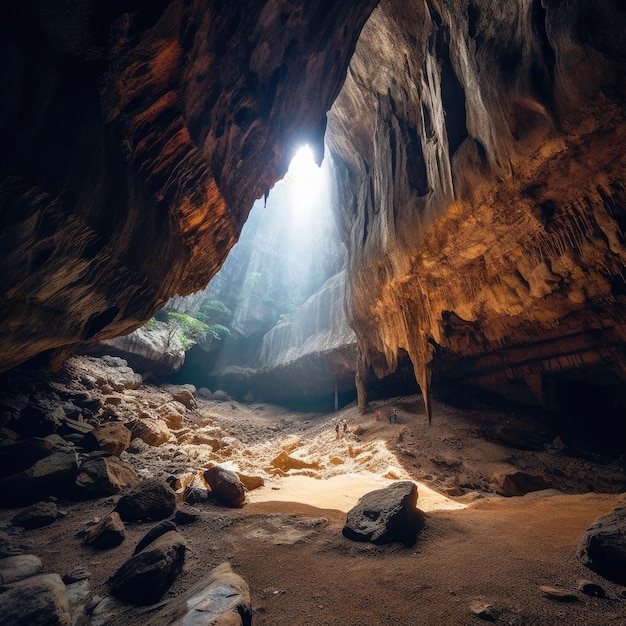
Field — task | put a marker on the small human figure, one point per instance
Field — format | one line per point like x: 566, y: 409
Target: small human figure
x: 390, y: 418
x: 395, y: 416
x: 344, y: 425
x: 337, y: 430
x: 378, y: 416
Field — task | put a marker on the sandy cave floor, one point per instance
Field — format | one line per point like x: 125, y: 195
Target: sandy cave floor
x: 286, y: 542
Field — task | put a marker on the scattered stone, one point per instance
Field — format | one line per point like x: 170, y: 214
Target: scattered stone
x: 151, y: 430
x: 77, y: 574
x: 152, y: 499
x: 112, y: 437
x: 225, y: 485
x: 251, y: 482
x: 138, y: 446
x: 386, y: 515
x: 220, y: 396
x: 484, y: 611
x: 562, y: 595
x: 146, y: 576
x: 186, y: 398
x: 109, y: 532
x: 14, y: 568
x: 196, y: 495
x: 104, y: 475
x: 520, y: 483
x: 52, y: 475
x: 153, y: 534
x: 19, y: 456
x: 36, y: 516
x: 592, y: 589
x: 602, y: 547
x: 204, y: 392
x: 184, y: 516
x: 221, y: 598
x: 36, y: 601
x: 74, y: 429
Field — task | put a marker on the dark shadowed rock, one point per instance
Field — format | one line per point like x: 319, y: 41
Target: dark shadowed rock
x: 146, y: 576
x: 36, y: 601
x: 37, y: 515
x: 52, y: 475
x: 109, y: 532
x: 225, y: 485
x: 103, y: 475
x: 520, y: 483
x: 152, y: 499
x: 602, y: 547
x: 18, y: 456
x: 386, y: 515
x: 558, y: 594
x: 221, y: 598
x: 112, y: 437
x: 153, y: 534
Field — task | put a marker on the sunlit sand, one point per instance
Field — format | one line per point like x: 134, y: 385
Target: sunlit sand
x: 341, y: 492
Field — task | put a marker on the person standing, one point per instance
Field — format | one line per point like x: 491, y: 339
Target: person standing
x: 378, y: 416
x: 395, y: 416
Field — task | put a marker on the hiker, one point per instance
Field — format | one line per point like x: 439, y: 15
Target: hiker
x: 378, y: 416
x: 395, y: 416
x: 337, y: 430
x: 344, y: 425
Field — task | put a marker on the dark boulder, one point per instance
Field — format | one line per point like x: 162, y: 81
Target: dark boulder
x: 226, y: 486
x: 602, y: 547
x: 146, y: 576
x: 151, y: 499
x: 520, y: 483
x: 109, y: 532
x: 36, y: 516
x: 386, y: 515
x: 112, y: 437
x: 103, y: 475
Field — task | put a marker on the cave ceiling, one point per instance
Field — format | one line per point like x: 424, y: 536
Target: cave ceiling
x: 478, y: 149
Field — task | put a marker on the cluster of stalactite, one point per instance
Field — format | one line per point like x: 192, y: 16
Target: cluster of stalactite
x: 479, y: 157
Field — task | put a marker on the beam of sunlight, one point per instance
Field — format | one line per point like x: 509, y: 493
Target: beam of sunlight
x: 288, y: 248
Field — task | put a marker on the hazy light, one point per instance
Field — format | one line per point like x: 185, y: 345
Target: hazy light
x: 304, y: 181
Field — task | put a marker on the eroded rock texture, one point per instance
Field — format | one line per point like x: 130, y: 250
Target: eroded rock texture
x: 134, y: 138
x: 479, y: 155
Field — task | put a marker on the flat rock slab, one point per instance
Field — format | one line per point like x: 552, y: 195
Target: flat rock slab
x: 386, y: 515
x: 36, y: 516
x: 19, y: 567
x: 221, y: 598
x: 101, y: 476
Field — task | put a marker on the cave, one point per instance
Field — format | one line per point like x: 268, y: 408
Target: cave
x: 454, y: 294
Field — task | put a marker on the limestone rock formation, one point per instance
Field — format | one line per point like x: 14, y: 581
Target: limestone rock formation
x: 478, y: 149
x: 135, y: 138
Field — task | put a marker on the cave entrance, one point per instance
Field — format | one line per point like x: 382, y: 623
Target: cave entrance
x: 261, y: 306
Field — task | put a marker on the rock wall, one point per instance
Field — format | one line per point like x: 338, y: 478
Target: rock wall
x: 134, y: 138
x: 479, y: 155
x: 306, y: 356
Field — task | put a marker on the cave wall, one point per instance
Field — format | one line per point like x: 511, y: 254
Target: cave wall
x: 479, y: 156
x: 134, y: 137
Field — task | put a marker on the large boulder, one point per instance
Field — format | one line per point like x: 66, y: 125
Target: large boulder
x: 226, y: 486
x: 152, y: 430
x: 151, y: 499
x: 146, y: 576
x: 19, y: 567
x: 52, y: 475
x: 602, y: 547
x: 386, y: 515
x: 36, y: 516
x: 103, y: 475
x: 112, y: 437
x: 19, y: 456
x: 37, y: 601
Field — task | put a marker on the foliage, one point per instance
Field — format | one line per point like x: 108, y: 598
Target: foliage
x: 186, y: 329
